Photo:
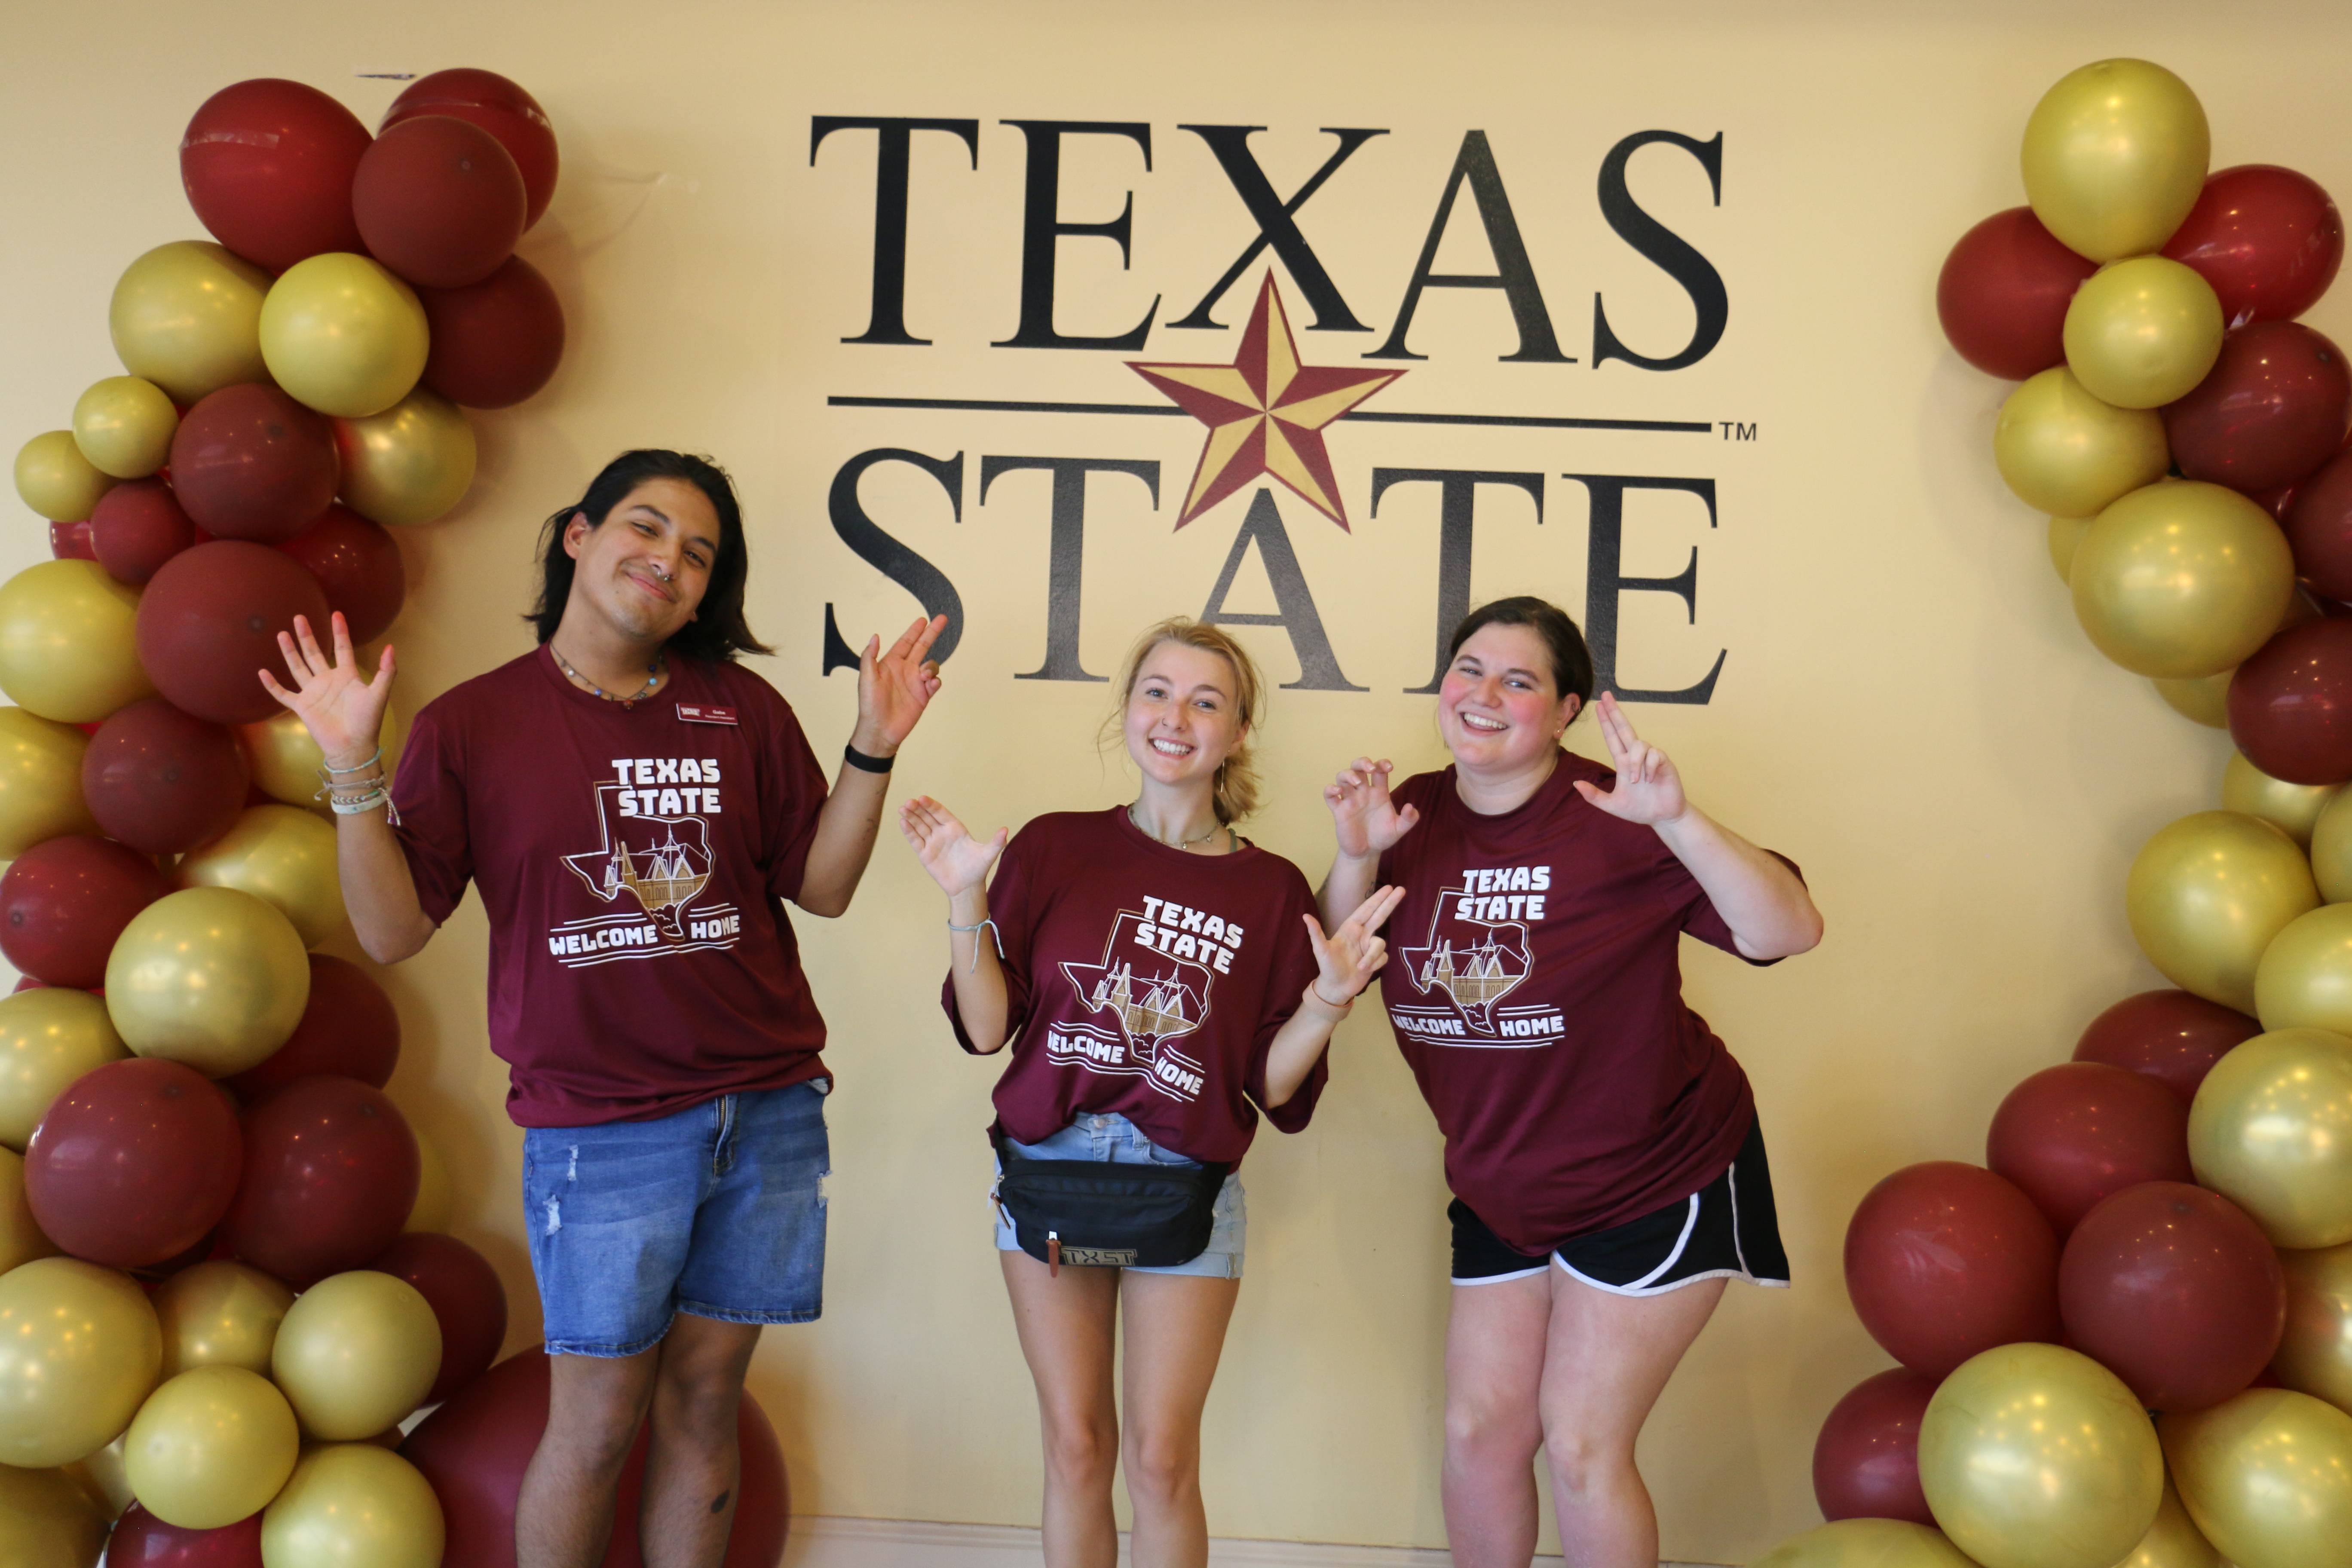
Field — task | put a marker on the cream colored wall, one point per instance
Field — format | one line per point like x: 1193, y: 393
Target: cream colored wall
x: 1909, y: 709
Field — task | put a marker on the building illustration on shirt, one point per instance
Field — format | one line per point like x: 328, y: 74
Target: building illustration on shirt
x: 1134, y: 1005
x: 649, y: 869
x: 1467, y: 967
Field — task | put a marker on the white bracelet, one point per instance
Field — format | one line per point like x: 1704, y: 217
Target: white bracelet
x: 994, y: 934
x: 360, y: 804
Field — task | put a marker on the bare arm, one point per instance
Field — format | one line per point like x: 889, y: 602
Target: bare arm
x: 1345, y: 963
x: 893, y: 690
x: 959, y: 864
x: 1368, y: 824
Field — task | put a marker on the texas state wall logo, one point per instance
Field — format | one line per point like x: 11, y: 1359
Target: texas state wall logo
x: 1138, y: 1002
x: 649, y: 871
x: 1476, y: 955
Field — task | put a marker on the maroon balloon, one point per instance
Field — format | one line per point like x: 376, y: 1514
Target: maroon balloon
x: 358, y: 564
x: 2274, y: 407
x: 349, y: 1029
x: 331, y: 1172
x: 163, y: 781
x: 2072, y: 1135
x: 2290, y: 704
x: 267, y: 165
x: 72, y: 542
x: 495, y: 342
x: 1866, y: 1459
x: 473, y: 1449
x: 2267, y: 238
x: 209, y: 622
x: 499, y: 107
x: 133, y: 1163
x: 1943, y: 1260
x: 249, y: 462
x: 137, y: 526
x: 2175, y: 1290
x: 2318, y: 523
x: 439, y: 201
x: 143, y: 1541
x: 2173, y: 1037
x: 466, y: 1297
x: 64, y: 901
x: 2003, y: 293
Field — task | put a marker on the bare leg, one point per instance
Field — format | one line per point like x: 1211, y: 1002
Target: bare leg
x: 563, y: 1515
x: 692, y: 1465
x: 1175, y: 1329
x: 1067, y: 1326
x: 1607, y: 1360
x: 1494, y: 1367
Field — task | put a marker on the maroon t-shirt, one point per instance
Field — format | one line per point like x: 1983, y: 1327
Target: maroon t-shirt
x: 1147, y: 980
x: 633, y: 863
x: 1534, y: 987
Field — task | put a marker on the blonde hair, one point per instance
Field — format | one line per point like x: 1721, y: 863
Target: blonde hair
x: 1235, y: 792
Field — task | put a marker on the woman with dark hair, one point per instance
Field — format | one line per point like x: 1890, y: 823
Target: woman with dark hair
x: 635, y: 808
x: 1609, y: 1176
x: 1160, y: 980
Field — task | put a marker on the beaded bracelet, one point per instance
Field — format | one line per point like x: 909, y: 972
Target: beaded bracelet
x: 325, y: 771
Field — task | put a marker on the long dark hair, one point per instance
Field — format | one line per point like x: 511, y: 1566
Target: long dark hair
x: 1571, y: 661
x: 718, y: 630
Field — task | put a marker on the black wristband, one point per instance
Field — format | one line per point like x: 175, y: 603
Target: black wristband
x: 863, y: 764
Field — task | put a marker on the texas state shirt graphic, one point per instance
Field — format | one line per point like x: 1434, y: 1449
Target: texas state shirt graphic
x: 1476, y: 957
x: 1151, y: 989
x: 647, y: 874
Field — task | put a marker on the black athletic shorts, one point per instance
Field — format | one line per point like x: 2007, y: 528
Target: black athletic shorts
x: 1726, y: 1229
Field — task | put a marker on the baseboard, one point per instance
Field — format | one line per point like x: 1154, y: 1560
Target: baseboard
x: 822, y: 1542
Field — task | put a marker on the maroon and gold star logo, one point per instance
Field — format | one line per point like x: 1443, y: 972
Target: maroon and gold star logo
x: 1265, y: 413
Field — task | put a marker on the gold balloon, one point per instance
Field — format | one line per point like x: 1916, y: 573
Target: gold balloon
x: 2182, y: 579
x: 2304, y: 979
x: 2331, y: 849
x: 79, y: 1350
x: 49, y: 1037
x: 2065, y: 452
x: 211, y: 1447
x: 2115, y: 157
x: 40, y: 781
x: 220, y: 1314
x: 2271, y: 1130
x: 209, y: 977
x: 124, y: 425
x: 2207, y: 893
x: 187, y: 317
x: 55, y: 481
x: 356, y: 1355
x: 2315, y: 1356
x: 433, y: 1198
x: 2142, y: 332
x: 101, y: 1478
x: 410, y: 463
x: 21, y: 1239
x: 68, y: 648
x: 2065, y: 534
x: 2202, y: 698
x: 282, y: 855
x: 2173, y: 1540
x: 2267, y: 1476
x: 2034, y: 1456
x: 46, y: 1522
x: 343, y: 336
x: 353, y: 1505
x: 286, y: 761
x: 2293, y: 808
x: 1866, y: 1544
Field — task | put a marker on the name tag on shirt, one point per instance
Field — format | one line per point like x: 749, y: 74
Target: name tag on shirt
x: 703, y: 713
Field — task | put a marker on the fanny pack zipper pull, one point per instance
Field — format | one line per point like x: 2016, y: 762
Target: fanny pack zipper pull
x: 1054, y: 1255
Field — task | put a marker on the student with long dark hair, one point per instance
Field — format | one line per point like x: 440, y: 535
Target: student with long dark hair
x: 635, y: 808
x: 1160, y: 980
x: 1608, y: 1172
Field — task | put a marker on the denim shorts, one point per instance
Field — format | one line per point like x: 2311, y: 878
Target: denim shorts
x: 718, y: 1210
x: 1116, y: 1140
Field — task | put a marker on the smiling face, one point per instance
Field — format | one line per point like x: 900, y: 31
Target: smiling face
x: 1182, y: 716
x: 645, y: 568
x: 1498, y: 708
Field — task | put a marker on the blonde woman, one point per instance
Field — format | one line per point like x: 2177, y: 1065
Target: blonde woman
x: 1160, y: 980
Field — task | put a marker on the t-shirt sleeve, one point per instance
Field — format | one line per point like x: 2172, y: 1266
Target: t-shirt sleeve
x: 1009, y: 907
x: 1698, y: 915
x: 1287, y: 978
x: 428, y: 791
x: 792, y: 797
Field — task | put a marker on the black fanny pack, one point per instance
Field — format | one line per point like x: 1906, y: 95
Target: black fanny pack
x: 1097, y: 1213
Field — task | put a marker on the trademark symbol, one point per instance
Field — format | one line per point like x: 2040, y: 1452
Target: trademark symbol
x: 1733, y: 430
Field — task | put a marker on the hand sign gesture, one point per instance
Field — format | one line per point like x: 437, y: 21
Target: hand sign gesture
x: 342, y: 708
x: 1648, y: 790
x: 957, y: 861
x: 893, y: 688
x: 1350, y: 956
x: 1363, y: 813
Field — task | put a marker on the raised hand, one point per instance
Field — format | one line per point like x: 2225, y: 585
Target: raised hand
x: 340, y: 706
x: 1348, y: 958
x: 957, y: 861
x: 1366, y: 819
x: 1648, y: 790
x: 895, y: 687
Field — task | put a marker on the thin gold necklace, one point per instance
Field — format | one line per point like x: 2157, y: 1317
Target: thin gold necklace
x: 1185, y: 844
x: 653, y: 678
